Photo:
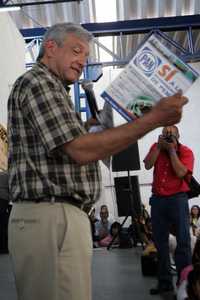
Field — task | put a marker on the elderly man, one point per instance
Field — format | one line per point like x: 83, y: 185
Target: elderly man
x: 54, y: 171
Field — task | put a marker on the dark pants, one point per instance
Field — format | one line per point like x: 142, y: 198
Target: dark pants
x: 165, y: 212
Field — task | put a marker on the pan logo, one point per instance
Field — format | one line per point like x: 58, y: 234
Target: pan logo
x: 147, y: 61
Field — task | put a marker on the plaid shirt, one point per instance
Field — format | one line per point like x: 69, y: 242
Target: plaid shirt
x: 41, y: 118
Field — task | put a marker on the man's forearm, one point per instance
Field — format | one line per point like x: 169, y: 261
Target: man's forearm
x: 95, y: 146
x: 151, y: 158
x: 178, y: 167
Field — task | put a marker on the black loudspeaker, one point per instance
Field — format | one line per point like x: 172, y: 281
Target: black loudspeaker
x: 126, y: 160
x: 128, y: 196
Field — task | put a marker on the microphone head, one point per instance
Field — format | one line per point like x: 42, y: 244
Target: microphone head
x: 87, y: 84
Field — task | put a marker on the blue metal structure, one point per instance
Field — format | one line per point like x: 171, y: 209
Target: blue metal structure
x: 165, y: 24
x: 5, y: 4
x: 161, y: 26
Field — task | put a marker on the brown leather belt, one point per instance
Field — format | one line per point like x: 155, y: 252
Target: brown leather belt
x: 54, y: 199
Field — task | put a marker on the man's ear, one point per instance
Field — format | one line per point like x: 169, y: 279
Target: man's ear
x: 50, y: 47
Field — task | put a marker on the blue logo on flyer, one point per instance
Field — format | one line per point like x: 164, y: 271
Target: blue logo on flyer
x: 147, y: 61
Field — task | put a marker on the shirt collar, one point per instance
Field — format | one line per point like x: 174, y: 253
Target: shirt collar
x: 47, y: 70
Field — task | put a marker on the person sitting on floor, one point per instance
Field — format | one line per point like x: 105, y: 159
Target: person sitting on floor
x: 184, y: 278
x: 102, y: 227
x: 114, y: 232
x: 194, y: 217
x: 141, y: 229
x: 193, y: 287
x: 93, y: 220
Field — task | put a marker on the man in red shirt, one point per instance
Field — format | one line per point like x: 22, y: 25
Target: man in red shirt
x: 173, y: 166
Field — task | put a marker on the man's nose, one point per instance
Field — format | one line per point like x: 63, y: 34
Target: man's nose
x: 82, y: 60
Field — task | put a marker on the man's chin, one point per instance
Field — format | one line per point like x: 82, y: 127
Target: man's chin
x: 69, y: 82
x: 72, y: 79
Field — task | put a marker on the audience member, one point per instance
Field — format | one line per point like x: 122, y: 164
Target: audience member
x: 184, y: 277
x: 194, y: 217
x: 193, y: 286
x: 140, y: 228
x: 145, y: 226
x: 173, y: 165
x: 197, y: 228
x: 114, y: 232
x: 102, y: 227
x: 141, y: 231
x: 173, y: 243
x: 93, y: 220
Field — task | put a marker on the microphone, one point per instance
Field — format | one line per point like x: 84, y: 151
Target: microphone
x: 104, y: 117
x: 87, y: 86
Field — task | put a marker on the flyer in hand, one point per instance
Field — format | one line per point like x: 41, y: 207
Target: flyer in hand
x: 153, y: 72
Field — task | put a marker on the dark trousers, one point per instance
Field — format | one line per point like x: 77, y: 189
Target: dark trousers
x: 165, y: 212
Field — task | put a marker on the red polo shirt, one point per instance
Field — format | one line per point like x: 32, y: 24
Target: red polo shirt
x: 165, y: 181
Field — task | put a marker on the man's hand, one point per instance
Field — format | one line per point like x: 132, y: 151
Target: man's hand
x: 169, y: 146
x: 91, y: 122
x: 163, y: 144
x: 168, y: 110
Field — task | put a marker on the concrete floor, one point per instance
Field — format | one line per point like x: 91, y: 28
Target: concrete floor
x: 116, y: 276
x: 7, y: 285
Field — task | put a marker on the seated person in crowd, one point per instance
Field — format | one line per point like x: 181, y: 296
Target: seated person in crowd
x: 194, y: 217
x: 141, y: 229
x: 173, y: 243
x: 102, y: 227
x: 186, y: 285
x: 193, y: 286
x: 145, y: 227
x: 93, y: 220
x: 114, y: 232
x: 196, y: 228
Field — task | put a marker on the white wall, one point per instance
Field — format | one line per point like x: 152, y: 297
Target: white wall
x: 12, y: 60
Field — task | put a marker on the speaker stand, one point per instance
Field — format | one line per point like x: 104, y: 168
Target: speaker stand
x: 133, y: 213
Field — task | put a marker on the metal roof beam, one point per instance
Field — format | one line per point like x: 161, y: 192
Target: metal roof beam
x: 144, y: 25
x: 22, y: 4
x: 165, y: 24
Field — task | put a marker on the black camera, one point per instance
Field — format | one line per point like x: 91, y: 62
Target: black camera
x: 169, y: 139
